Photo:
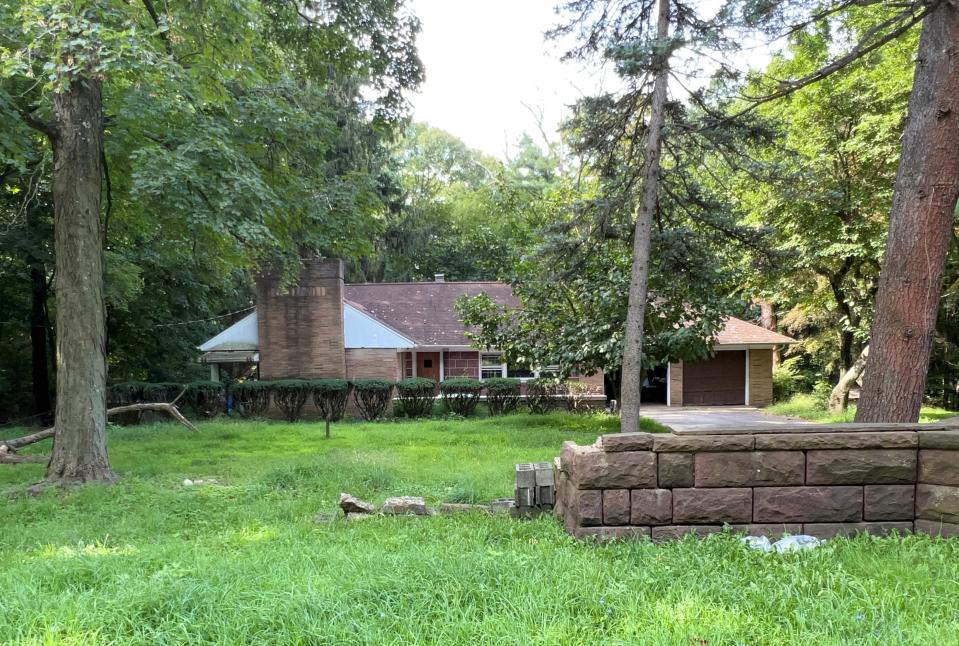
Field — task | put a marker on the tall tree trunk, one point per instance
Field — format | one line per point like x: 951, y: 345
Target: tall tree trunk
x: 839, y: 398
x: 926, y: 189
x: 769, y: 320
x: 649, y: 200
x: 79, y: 445
x: 39, y: 322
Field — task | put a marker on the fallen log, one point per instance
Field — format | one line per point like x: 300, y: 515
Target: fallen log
x: 8, y: 448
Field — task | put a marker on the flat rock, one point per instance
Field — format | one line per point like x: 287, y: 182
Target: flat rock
x: 399, y: 505
x: 352, y: 505
x: 353, y: 516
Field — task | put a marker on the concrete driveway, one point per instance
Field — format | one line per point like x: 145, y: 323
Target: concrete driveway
x: 707, y: 417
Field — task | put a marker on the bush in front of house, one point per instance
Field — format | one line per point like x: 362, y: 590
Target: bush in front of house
x: 461, y: 394
x: 330, y: 397
x: 502, y: 395
x: 575, y: 393
x: 416, y: 396
x: 289, y: 395
x: 205, y: 398
x: 541, y: 394
x: 251, y: 398
x: 161, y: 392
x: 125, y: 393
x: 372, y: 397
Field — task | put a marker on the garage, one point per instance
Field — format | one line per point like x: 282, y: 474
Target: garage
x: 719, y: 381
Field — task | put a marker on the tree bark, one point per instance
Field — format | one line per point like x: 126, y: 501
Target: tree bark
x: 769, y: 320
x: 925, y: 194
x: 649, y: 200
x: 839, y: 397
x: 79, y: 446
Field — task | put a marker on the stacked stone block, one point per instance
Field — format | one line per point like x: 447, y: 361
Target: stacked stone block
x: 535, y: 488
x: 819, y: 480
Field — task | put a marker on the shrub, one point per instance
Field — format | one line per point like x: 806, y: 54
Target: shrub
x: 787, y: 380
x: 502, y: 395
x: 372, y: 397
x: 125, y: 393
x: 330, y: 397
x: 461, y: 394
x: 290, y: 395
x: 575, y: 393
x: 205, y: 398
x: 163, y: 392
x: 251, y: 398
x: 540, y: 394
x: 416, y: 396
x: 821, y: 393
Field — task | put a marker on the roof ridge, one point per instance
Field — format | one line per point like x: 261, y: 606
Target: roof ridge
x: 432, y: 282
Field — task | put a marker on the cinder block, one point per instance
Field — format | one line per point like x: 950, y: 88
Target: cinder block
x: 525, y: 476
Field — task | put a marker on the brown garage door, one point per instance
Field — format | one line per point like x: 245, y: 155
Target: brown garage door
x: 720, y: 381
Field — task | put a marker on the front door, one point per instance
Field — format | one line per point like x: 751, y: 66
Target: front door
x: 428, y: 365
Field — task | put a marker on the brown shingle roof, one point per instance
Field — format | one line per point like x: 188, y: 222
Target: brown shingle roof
x: 739, y: 332
x: 424, y: 311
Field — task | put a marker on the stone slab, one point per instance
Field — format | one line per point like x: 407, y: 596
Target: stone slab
x: 939, y: 466
x: 586, y: 507
x: 350, y: 504
x: 861, y: 466
x: 937, y: 528
x: 399, y: 505
x: 937, y: 502
x: 606, y: 534
x: 727, y: 505
x: 750, y: 469
x: 812, y: 441
x: 651, y: 507
x: 595, y: 469
x: 616, y: 507
x: 672, y: 532
x: 807, y: 504
x: 831, y: 530
x: 615, y: 442
x: 889, y: 502
x: 462, y: 508
x: 939, y: 440
x: 684, y: 443
x: 676, y: 470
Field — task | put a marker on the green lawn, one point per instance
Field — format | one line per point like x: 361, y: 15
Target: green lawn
x: 808, y: 407
x: 149, y: 561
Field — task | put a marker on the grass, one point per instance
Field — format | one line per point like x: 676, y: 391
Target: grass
x: 150, y: 561
x: 808, y: 407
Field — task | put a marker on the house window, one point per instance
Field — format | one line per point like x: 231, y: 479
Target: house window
x: 519, y: 373
x: 492, y: 366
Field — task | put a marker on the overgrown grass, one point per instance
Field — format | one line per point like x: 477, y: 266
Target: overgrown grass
x: 151, y: 561
x: 808, y: 407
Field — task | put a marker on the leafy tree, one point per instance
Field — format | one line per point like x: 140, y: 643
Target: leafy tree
x: 239, y: 130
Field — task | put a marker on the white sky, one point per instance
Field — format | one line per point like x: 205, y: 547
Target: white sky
x: 484, y: 59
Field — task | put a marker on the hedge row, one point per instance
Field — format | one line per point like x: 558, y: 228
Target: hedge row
x: 415, y: 396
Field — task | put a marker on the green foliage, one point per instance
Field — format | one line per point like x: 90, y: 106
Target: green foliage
x: 205, y: 398
x: 163, y: 391
x: 290, y: 395
x: 541, y: 394
x: 415, y: 396
x: 372, y: 397
x: 502, y: 395
x: 787, y: 380
x: 575, y: 393
x: 251, y: 398
x: 125, y: 393
x: 461, y: 394
x: 330, y: 397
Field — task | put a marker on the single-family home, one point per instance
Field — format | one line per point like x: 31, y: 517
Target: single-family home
x: 324, y: 327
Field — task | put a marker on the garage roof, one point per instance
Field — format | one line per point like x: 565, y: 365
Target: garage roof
x: 740, y: 332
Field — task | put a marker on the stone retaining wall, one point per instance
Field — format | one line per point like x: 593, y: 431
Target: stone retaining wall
x: 823, y: 480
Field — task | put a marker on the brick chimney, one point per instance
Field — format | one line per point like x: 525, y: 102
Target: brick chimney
x: 301, y: 327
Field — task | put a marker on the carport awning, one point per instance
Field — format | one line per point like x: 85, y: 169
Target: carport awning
x: 230, y: 356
